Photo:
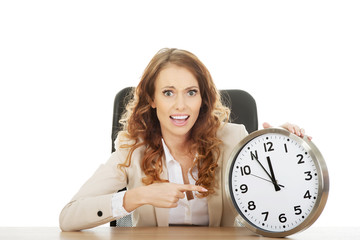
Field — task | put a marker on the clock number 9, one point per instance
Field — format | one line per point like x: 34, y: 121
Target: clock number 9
x: 243, y: 188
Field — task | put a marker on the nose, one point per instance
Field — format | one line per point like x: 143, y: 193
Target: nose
x: 180, y: 102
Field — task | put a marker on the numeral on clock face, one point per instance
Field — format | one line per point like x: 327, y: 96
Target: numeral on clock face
x: 275, y: 182
x: 245, y: 170
x: 268, y: 146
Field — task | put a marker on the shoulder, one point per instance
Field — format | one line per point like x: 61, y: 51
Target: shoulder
x: 232, y: 131
x: 231, y: 134
x: 124, y: 144
x: 122, y: 152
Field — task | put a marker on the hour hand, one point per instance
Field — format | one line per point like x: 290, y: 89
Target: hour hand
x: 273, y: 179
x: 277, y: 188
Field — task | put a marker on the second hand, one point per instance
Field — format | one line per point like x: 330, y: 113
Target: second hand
x: 266, y: 180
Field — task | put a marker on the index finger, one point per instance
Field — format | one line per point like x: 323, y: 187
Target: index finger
x: 190, y: 187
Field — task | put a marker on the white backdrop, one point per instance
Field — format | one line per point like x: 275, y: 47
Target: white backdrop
x: 62, y: 62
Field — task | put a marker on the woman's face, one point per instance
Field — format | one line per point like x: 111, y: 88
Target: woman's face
x: 177, y: 101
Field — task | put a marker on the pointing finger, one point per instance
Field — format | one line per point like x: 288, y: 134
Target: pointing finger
x: 190, y: 187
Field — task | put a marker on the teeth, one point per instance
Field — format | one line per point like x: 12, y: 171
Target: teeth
x: 179, y: 117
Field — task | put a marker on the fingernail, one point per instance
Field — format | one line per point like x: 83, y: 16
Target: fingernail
x: 204, y: 190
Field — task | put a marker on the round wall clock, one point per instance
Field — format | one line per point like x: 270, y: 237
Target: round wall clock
x: 277, y: 182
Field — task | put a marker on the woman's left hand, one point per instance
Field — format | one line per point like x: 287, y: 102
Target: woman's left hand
x: 295, y: 129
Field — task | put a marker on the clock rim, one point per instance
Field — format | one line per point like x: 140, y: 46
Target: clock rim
x: 320, y: 164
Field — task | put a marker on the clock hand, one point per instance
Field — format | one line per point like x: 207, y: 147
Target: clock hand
x: 266, y: 180
x: 277, y: 188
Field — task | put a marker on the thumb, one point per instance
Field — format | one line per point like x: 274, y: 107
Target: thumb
x: 266, y: 125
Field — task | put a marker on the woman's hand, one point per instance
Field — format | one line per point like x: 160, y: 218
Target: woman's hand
x: 295, y: 129
x: 164, y: 195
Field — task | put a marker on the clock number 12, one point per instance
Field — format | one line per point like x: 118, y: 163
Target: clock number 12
x: 268, y: 147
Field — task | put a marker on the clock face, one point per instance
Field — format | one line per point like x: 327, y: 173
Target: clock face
x: 275, y: 183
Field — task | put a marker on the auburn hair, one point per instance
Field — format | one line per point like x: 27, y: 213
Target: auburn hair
x: 142, y: 127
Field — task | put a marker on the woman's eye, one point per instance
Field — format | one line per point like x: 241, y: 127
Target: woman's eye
x: 192, y: 92
x: 167, y: 93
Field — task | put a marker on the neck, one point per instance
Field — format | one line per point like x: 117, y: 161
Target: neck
x: 176, y: 144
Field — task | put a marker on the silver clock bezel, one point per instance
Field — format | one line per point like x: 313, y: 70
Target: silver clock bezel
x: 323, y: 182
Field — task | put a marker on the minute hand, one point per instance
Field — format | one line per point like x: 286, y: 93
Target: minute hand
x: 273, y: 179
x: 277, y: 188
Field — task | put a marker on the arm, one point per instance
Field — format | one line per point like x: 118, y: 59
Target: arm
x: 91, y: 206
x: 163, y: 195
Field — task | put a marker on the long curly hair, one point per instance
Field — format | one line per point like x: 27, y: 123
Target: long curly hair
x: 141, y: 125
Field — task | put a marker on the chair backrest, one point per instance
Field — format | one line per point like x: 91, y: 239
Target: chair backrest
x: 243, y: 111
x: 242, y: 105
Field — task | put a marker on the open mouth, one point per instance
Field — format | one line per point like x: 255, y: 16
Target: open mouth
x: 179, y: 120
x: 182, y: 117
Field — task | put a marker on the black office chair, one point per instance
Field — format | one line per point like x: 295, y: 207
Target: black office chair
x: 243, y: 111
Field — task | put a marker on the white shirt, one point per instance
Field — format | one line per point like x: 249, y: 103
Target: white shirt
x: 189, y: 212
x: 192, y: 212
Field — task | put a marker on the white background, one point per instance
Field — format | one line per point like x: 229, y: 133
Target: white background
x: 62, y: 62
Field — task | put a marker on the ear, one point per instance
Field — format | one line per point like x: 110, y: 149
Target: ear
x: 152, y: 104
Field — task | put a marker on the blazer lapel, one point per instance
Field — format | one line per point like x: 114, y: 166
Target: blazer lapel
x: 162, y: 214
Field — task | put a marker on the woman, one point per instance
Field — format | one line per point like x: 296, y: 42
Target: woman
x: 170, y: 155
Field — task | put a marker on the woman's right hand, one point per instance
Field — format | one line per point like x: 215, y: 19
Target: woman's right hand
x: 163, y: 195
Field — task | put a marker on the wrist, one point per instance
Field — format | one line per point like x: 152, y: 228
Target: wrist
x: 133, y: 199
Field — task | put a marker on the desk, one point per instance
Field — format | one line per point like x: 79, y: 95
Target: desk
x: 163, y: 233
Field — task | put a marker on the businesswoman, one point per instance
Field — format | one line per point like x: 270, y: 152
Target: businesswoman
x: 170, y: 155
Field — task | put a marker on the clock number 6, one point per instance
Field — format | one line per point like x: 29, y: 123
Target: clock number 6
x: 282, y: 218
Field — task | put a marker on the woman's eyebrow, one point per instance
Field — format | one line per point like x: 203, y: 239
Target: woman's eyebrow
x: 168, y: 87
x: 172, y: 87
x: 192, y: 87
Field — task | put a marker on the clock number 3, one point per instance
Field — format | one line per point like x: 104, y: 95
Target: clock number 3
x: 308, y: 175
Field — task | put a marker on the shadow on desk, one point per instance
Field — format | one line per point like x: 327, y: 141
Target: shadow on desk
x: 163, y: 233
